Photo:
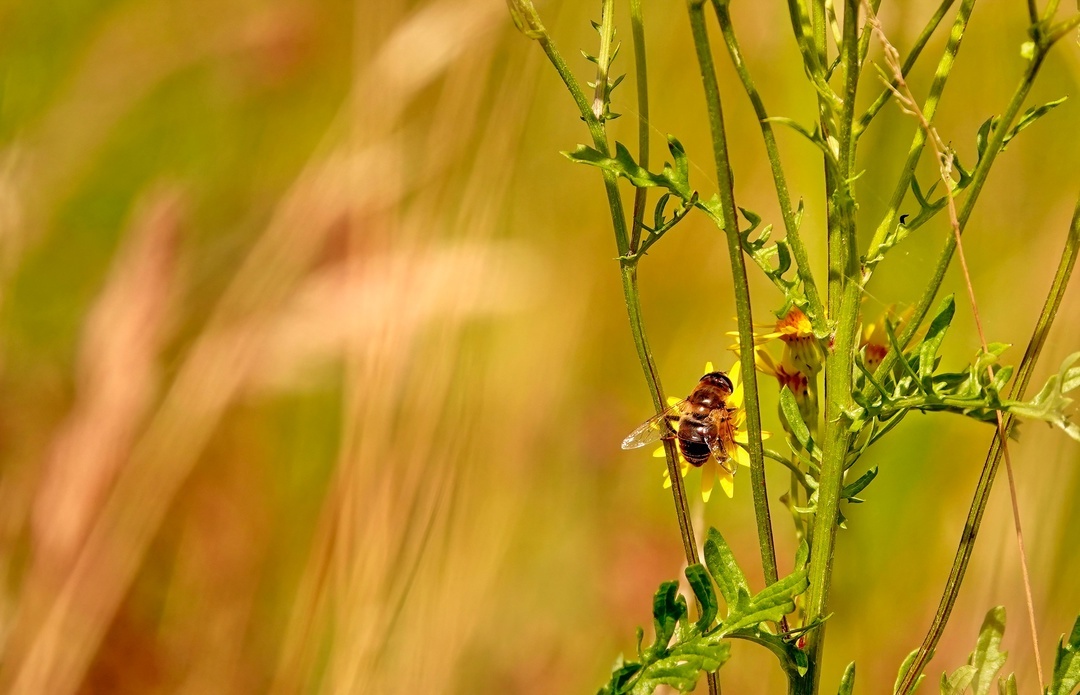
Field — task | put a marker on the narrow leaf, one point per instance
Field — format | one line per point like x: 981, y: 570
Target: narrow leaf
x: 935, y: 335
x: 847, y: 682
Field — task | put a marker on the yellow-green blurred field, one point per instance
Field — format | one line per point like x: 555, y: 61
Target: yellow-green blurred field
x: 314, y: 364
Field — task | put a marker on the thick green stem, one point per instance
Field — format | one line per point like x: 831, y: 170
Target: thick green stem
x: 728, y: 213
x: 993, y: 457
x: 791, y: 228
x: 840, y: 365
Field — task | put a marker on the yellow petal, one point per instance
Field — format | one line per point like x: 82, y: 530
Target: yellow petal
x: 736, y: 398
x: 672, y: 400
x: 709, y: 368
x: 742, y: 457
x: 708, y: 479
x: 734, y: 372
x: 659, y: 453
x: 727, y: 483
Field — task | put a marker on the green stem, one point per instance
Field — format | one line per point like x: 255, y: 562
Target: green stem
x: 909, y: 62
x: 993, y: 457
x: 637, y: 24
x: 742, y: 288
x: 978, y: 179
x: 918, y: 142
x: 840, y: 365
x: 802, y: 261
x: 530, y: 23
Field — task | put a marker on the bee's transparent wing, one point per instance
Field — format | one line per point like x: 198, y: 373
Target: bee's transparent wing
x: 655, y: 428
x: 723, y: 446
x: 720, y: 451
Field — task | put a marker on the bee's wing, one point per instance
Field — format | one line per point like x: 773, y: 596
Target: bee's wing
x: 723, y: 446
x: 719, y: 450
x: 657, y: 427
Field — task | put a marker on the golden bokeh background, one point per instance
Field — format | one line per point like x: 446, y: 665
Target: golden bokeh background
x: 314, y: 363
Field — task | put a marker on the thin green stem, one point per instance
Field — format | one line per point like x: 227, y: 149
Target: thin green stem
x: 839, y: 367
x: 802, y: 261
x: 798, y: 475
x: 994, y: 456
x: 742, y: 287
x: 526, y: 18
x: 909, y: 62
x: 637, y: 25
x: 630, y: 291
x: 918, y: 141
x: 1051, y: 10
x: 978, y: 179
x: 864, y: 44
x: 1063, y: 27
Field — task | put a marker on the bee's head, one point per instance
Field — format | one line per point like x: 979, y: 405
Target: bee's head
x: 719, y: 379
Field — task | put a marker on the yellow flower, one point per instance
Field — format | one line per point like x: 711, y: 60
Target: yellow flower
x: 800, y: 362
x: 711, y: 470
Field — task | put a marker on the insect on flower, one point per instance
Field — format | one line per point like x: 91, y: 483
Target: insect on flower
x: 702, y: 424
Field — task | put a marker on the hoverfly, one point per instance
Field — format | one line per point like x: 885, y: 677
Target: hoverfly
x: 701, y: 425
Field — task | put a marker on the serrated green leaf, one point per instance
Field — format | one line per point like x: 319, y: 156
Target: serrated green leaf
x: 724, y: 570
x: 701, y: 585
x: 771, y: 604
x: 1066, y: 676
x: 987, y: 659
x: 847, y: 681
x: 682, y: 667
x: 1050, y: 403
x: 624, y: 165
x: 935, y: 336
x: 668, y: 609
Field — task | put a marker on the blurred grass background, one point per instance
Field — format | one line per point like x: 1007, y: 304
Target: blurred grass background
x: 314, y: 366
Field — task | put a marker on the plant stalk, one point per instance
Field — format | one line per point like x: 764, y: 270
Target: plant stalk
x: 844, y: 263
x: 729, y: 218
x: 791, y: 229
x: 994, y: 456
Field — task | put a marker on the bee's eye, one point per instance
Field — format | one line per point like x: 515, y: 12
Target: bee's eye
x: 727, y: 382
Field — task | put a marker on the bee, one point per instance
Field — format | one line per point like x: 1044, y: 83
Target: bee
x: 702, y: 424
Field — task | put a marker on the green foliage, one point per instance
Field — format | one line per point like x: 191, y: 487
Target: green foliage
x: 682, y: 649
x: 774, y: 259
x: 988, y: 659
x: 673, y: 178
x: 1050, y: 404
x: 1066, y: 676
x: 917, y: 384
x: 985, y: 663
